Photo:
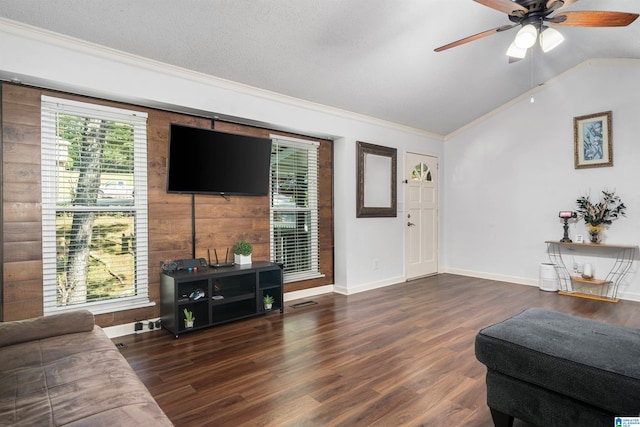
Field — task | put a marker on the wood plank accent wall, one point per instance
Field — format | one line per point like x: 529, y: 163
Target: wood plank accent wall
x: 220, y: 222
x: 21, y: 207
x: 325, y: 202
x: 1, y: 220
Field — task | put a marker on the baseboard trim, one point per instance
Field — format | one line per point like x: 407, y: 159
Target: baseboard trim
x: 629, y: 296
x: 307, y: 293
x: 493, y: 276
x: 368, y: 286
x: 129, y: 328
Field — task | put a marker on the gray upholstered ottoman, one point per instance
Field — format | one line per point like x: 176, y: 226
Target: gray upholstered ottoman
x: 554, y: 369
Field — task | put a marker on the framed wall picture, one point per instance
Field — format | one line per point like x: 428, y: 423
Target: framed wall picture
x: 593, y: 144
x: 377, y: 189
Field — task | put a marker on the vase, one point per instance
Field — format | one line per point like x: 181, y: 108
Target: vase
x: 595, y: 233
x: 587, y: 272
x: 242, y: 259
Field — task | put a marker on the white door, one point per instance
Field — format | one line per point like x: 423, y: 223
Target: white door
x: 421, y: 215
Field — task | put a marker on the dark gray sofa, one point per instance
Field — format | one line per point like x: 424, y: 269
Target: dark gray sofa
x: 554, y: 369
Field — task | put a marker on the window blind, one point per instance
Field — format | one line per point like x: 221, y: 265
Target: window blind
x: 294, y: 207
x: 94, y: 206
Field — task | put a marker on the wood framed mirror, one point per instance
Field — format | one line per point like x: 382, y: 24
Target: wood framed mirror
x: 377, y: 186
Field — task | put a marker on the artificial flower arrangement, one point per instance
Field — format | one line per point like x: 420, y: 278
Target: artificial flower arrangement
x: 608, y: 209
x: 597, y: 215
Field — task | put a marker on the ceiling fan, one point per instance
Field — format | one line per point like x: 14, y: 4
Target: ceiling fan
x: 534, y: 15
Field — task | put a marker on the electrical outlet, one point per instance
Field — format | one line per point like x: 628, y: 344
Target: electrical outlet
x: 150, y: 325
x: 138, y: 326
x: 158, y: 324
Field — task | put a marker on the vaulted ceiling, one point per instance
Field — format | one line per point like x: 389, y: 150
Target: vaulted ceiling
x: 373, y: 57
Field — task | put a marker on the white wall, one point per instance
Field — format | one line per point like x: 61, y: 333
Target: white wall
x: 508, y: 175
x: 53, y: 61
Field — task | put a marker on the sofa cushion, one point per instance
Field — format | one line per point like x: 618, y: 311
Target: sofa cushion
x: 73, y: 379
x: 46, y: 326
x: 593, y: 362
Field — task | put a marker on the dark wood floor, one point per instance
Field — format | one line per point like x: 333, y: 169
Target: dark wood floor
x: 397, y: 356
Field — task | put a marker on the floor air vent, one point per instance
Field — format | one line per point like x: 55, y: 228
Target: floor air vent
x: 303, y: 304
x: 121, y: 345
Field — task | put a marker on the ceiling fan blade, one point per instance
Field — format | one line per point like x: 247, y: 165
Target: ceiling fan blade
x: 475, y: 37
x: 594, y: 19
x: 507, y: 6
x: 565, y: 3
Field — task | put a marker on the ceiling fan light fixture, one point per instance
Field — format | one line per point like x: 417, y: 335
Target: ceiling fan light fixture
x: 550, y: 38
x: 516, y: 52
x: 526, y: 37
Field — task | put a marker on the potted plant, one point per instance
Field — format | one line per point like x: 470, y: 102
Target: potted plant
x: 188, y: 319
x: 597, y: 215
x: 242, y: 252
x: 268, y: 302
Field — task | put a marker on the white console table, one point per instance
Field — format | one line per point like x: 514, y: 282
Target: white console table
x: 599, y: 289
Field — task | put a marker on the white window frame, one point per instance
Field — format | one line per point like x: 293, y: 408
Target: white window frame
x: 50, y: 107
x: 312, y: 148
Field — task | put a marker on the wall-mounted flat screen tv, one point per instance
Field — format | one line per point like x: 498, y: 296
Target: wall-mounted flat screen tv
x: 207, y: 161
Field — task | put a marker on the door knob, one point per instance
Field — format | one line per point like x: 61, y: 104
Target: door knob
x: 410, y: 224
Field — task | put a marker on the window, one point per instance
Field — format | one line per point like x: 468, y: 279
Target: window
x: 94, y: 207
x: 421, y: 172
x: 294, y: 207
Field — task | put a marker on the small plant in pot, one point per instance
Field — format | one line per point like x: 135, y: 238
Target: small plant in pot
x: 188, y: 319
x: 242, y: 252
x: 268, y: 302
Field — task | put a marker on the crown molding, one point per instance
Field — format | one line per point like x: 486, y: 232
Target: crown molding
x: 103, y: 52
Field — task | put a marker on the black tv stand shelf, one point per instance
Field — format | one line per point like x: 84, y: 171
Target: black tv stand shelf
x: 230, y: 293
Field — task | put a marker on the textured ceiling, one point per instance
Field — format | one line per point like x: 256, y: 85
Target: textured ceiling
x: 373, y: 57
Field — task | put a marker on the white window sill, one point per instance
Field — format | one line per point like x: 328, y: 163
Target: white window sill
x: 104, y: 307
